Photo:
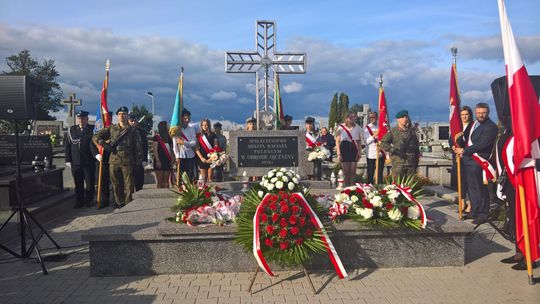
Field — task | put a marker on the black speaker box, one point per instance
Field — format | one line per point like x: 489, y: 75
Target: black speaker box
x: 499, y: 88
x: 17, y: 97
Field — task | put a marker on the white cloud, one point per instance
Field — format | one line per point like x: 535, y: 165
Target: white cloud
x: 293, y: 87
x: 476, y: 96
x: 244, y: 100
x: 223, y: 95
x: 251, y: 88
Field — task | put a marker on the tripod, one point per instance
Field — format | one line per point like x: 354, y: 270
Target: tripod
x: 25, y: 218
x: 492, y: 219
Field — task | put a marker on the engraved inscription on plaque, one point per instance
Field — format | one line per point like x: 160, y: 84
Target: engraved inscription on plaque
x: 277, y: 151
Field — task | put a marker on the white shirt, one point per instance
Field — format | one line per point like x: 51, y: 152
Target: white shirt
x: 371, y: 144
x: 187, y: 150
x: 355, y: 133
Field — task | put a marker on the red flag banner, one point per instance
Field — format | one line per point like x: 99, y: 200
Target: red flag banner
x: 383, y: 122
x: 104, y: 107
x: 525, y: 112
x: 455, y: 102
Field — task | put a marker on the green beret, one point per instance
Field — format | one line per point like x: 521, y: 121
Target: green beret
x: 402, y: 113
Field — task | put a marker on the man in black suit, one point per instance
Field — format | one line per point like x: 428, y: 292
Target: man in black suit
x: 479, y: 148
x: 80, y: 159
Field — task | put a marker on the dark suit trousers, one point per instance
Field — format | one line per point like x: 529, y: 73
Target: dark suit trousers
x: 105, y: 183
x: 138, y: 177
x: 84, y: 175
x: 371, y: 164
x: 478, y: 192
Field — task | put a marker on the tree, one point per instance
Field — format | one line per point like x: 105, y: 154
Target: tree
x: 146, y: 123
x: 343, y: 106
x: 332, y: 115
x: 48, y: 93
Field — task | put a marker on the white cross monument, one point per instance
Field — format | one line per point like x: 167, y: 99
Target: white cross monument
x: 265, y: 62
x: 72, y: 102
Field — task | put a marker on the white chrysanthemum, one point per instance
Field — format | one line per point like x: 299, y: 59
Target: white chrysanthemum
x: 279, y: 174
x: 354, y: 198
x: 305, y: 190
x: 370, y: 195
x: 365, y: 212
x: 260, y: 193
x: 291, y: 186
x: 295, y: 180
x: 392, y: 194
x: 290, y: 173
x: 390, y: 187
x: 262, y: 183
x: 279, y: 184
x: 347, y: 202
x: 282, y: 169
x: 284, y: 179
x: 413, y: 212
x: 273, y: 180
x: 270, y: 187
x: 358, y: 210
x: 376, y: 201
x: 270, y: 174
x: 395, y: 215
x: 297, y: 177
x: 338, y: 197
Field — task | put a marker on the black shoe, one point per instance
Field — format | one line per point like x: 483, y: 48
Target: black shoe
x: 511, y: 260
x: 119, y: 206
x: 523, y: 265
x: 479, y: 221
x: 79, y: 205
x: 102, y: 206
x: 467, y: 216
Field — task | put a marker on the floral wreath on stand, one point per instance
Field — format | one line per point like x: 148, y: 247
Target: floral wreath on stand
x: 279, y: 222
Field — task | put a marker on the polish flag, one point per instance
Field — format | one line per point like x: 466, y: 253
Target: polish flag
x: 525, y: 111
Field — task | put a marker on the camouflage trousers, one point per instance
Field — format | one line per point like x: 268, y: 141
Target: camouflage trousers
x: 122, y: 182
x: 403, y: 167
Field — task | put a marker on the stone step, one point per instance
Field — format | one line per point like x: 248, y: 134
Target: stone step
x: 442, y: 192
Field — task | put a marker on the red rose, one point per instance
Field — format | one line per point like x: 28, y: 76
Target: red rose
x: 309, y: 232
x: 302, y: 221
x: 295, y: 209
x: 366, y: 203
x: 270, y: 229
x: 264, y: 218
x: 292, y: 220
x: 304, y: 212
x: 268, y: 242
x: 298, y: 242
x: 283, y: 233
x: 207, y: 194
x: 404, y: 210
x: 293, y: 199
x: 273, y: 198
x: 283, y: 203
x: 283, y: 222
x: 389, y: 206
x: 275, y: 217
x: 283, y: 195
x: 295, y: 230
x: 382, y: 192
x: 346, y: 191
x: 273, y: 206
x: 285, y: 209
x: 359, y: 190
x: 283, y: 245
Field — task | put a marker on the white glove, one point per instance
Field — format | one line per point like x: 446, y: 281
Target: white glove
x: 68, y: 165
x: 99, y: 157
x: 144, y: 164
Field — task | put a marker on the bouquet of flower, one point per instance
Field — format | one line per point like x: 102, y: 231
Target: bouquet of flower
x: 386, y: 206
x: 279, y: 224
x: 318, y: 153
x: 218, y: 158
x: 280, y: 179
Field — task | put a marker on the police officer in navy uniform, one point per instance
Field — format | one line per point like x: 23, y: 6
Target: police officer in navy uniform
x: 79, y: 157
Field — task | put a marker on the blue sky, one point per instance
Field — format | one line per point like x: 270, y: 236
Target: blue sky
x: 348, y: 43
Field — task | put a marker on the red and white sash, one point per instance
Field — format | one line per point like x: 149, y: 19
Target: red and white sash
x: 332, y: 253
x: 311, y: 141
x: 164, y: 147
x: 406, y: 191
x: 205, y: 144
x: 488, y: 172
x: 349, y: 134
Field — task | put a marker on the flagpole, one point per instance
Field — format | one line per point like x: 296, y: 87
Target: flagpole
x: 181, y: 89
x: 458, y: 158
x: 378, y: 127
x: 525, y: 224
x: 107, y: 66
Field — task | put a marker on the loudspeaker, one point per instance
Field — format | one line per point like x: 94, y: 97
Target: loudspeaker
x: 499, y: 88
x: 17, y: 97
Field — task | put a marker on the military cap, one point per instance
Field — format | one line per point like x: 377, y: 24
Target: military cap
x: 217, y: 125
x: 402, y: 113
x: 132, y: 116
x: 310, y: 120
x: 122, y: 109
x: 287, y: 118
x: 81, y: 114
x: 251, y: 119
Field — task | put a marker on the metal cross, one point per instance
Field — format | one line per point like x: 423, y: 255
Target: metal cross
x: 71, y: 103
x: 263, y: 60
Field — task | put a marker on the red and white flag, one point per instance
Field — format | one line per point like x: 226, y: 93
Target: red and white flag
x: 383, y: 122
x: 525, y: 111
x: 455, y: 101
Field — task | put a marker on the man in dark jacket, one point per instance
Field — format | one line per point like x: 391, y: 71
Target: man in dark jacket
x: 138, y: 170
x: 105, y: 197
x: 475, y: 158
x: 79, y: 157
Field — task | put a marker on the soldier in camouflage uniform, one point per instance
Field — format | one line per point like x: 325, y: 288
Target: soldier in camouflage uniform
x: 124, y: 143
x: 403, y: 145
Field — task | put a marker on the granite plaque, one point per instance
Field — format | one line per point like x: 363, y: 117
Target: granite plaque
x: 30, y: 147
x: 271, y: 151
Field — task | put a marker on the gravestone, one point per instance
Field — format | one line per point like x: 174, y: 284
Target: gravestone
x: 30, y: 147
x: 48, y: 127
x: 257, y: 152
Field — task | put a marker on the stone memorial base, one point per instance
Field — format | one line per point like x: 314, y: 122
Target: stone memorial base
x: 137, y: 240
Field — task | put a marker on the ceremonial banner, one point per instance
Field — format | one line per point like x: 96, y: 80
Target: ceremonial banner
x: 455, y: 102
x: 102, y: 116
x: 525, y: 112
x: 383, y: 115
x: 176, y: 119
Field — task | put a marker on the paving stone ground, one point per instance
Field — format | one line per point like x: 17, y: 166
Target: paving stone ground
x: 482, y: 280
